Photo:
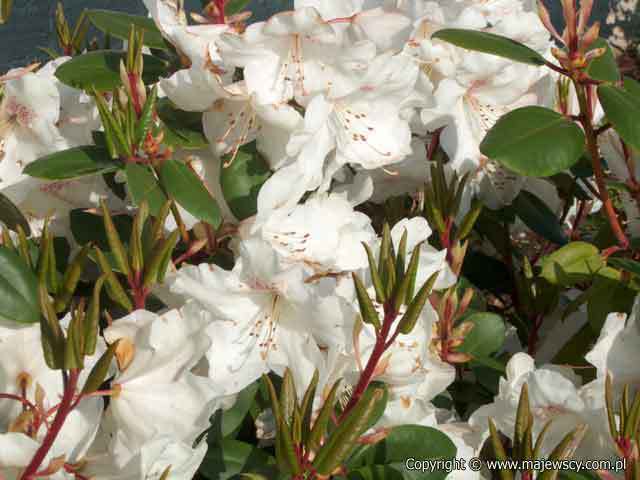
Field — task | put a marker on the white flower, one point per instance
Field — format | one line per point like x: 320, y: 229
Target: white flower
x: 16, y: 452
x: 294, y: 55
x: 260, y: 316
x: 150, y: 461
x: 324, y: 234
x: 158, y: 379
x: 615, y: 352
x: 554, y: 394
x: 26, y: 373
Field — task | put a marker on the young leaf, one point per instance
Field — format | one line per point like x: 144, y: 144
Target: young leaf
x: 490, y: 43
x: 534, y: 141
x: 486, y: 336
x: 575, y: 262
x: 622, y: 109
x: 73, y: 163
x: 187, y: 189
x: 605, y: 67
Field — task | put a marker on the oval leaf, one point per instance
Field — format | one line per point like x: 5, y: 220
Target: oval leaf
x: 534, y: 141
x: 241, y: 181
x: 72, y: 163
x: 118, y: 24
x: 18, y: 290
x: 539, y: 218
x: 143, y: 185
x: 622, y: 109
x: 187, y: 189
x: 490, y: 43
x: 11, y: 215
x: 408, y: 441
x: 486, y: 336
x: 182, y: 129
x: 604, y: 68
x: 101, y: 70
x: 230, y: 458
x: 577, y: 261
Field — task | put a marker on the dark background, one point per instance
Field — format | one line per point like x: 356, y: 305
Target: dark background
x: 31, y: 24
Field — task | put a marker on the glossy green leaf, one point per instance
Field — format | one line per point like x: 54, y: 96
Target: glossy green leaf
x: 143, y: 185
x: 607, y: 296
x: 622, y: 109
x: 241, y: 181
x: 486, y: 336
x: 539, y: 217
x: 18, y: 290
x: 534, y: 141
x: 11, y: 216
x: 230, y: 458
x: 182, y: 129
x: 604, y: 68
x: 490, y: 43
x: 72, y: 163
x: 575, y: 262
x: 408, y: 441
x: 187, y: 189
x: 101, y: 70
x: 118, y: 24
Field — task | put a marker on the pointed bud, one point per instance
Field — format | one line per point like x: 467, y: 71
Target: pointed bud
x: 114, y: 288
x: 375, y: 275
x: 159, y: 260
x: 407, y: 281
x: 584, y: 13
x: 545, y: 18
x: 52, y: 336
x: 322, y: 421
x: 92, y: 323
x: 367, y: 309
x: 75, y: 337
x: 71, y: 278
x: 117, y: 248
x: 410, y: 317
x: 589, y: 38
x: 469, y: 221
x: 100, y: 370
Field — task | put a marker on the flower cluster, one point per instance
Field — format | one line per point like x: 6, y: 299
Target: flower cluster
x: 313, y: 246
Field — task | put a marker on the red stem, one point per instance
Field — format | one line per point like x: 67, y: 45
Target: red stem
x: 64, y: 409
x: 378, y: 350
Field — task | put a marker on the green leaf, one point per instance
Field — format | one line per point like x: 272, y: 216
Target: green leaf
x: 622, y: 109
x: 486, y: 336
x: 408, y: 441
x: 186, y: 188
x: 18, y: 290
x: 490, y: 43
x: 231, y: 457
x: 182, y: 129
x: 118, y: 24
x: 101, y: 70
x: 143, y: 185
x: 231, y: 7
x: 534, y: 141
x: 575, y: 262
x: 241, y: 181
x: 632, y: 86
x: 11, y: 215
x: 72, y: 163
x: 225, y: 423
x: 89, y: 228
x: 539, y: 218
x: 375, y: 472
x: 626, y: 264
x: 604, y: 68
x: 607, y: 296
